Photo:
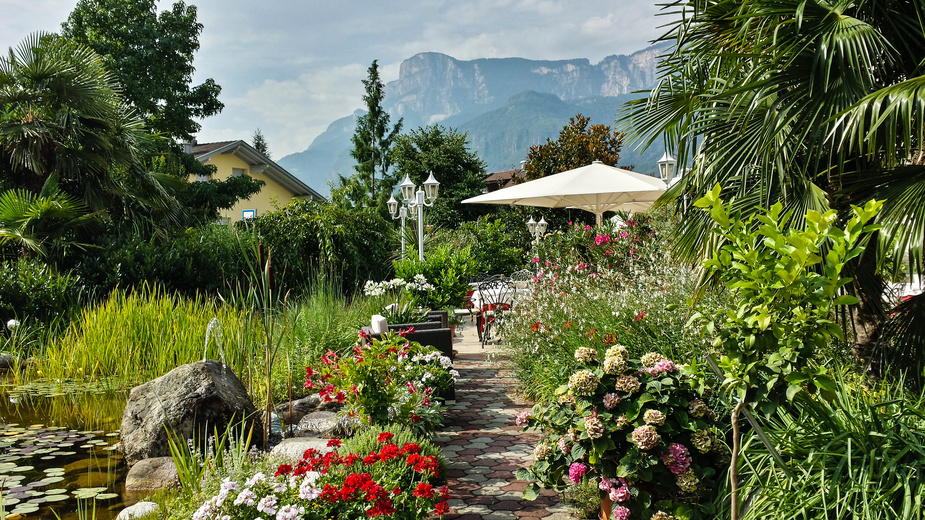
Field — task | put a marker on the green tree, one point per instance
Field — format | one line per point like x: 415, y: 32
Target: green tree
x: 152, y: 54
x: 372, y: 140
x: 61, y: 116
x: 459, y: 170
x: 579, y: 144
x: 260, y: 143
x: 811, y: 104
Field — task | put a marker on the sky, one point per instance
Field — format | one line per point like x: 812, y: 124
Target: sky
x: 292, y: 67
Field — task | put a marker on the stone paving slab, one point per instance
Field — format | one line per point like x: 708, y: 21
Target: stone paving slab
x: 484, y: 449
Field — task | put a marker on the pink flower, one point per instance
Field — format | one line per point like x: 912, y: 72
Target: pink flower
x: 576, y: 471
x: 536, y: 260
x: 620, y: 513
x: 587, y: 227
x: 611, y: 401
x: 665, y: 365
x: 570, y: 222
x: 623, y: 234
x: 621, y: 494
x: 522, y: 418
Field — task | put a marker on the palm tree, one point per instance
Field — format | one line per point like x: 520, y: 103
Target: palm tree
x: 44, y: 224
x: 815, y: 104
x: 61, y: 115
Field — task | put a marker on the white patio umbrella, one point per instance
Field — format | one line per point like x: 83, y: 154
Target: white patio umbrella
x: 595, y: 188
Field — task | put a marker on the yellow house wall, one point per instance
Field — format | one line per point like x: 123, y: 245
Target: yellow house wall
x: 262, y: 202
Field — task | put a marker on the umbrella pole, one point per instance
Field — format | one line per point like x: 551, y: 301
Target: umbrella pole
x: 599, y: 216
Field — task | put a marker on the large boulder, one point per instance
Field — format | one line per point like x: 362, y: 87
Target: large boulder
x: 193, y: 401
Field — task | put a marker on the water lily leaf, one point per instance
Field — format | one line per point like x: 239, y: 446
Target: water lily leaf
x: 24, y: 509
x: 56, y: 498
x: 106, y: 496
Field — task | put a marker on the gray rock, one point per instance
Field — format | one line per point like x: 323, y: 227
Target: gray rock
x: 7, y: 362
x: 299, y: 408
x: 327, y: 424
x: 290, y: 451
x: 152, y: 474
x: 193, y: 401
x: 137, y: 511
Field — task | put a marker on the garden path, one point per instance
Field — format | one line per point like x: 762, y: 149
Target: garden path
x: 483, y: 447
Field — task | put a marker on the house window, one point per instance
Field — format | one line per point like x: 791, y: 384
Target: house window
x: 237, y: 172
x: 248, y: 213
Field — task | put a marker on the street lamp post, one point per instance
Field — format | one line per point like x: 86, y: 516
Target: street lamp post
x: 414, y: 200
x: 666, y: 167
x: 537, y: 229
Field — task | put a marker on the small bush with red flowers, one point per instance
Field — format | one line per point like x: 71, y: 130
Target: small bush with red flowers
x: 388, y: 381
x: 640, y: 428
x: 391, y: 481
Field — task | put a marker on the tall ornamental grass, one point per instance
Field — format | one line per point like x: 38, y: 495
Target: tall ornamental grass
x: 859, y: 455
x: 136, y: 336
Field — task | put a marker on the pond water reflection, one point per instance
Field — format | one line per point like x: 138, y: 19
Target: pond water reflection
x: 58, y: 450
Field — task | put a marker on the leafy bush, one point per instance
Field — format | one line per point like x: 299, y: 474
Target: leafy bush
x: 31, y: 291
x: 206, y: 259
x: 309, y: 237
x: 640, y: 427
x: 448, y: 269
x: 497, y: 245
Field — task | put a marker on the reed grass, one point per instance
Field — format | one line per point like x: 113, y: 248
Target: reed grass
x: 135, y: 336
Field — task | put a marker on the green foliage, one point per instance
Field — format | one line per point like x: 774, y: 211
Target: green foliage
x: 497, y: 245
x: 388, y: 381
x: 152, y: 54
x: 644, y: 421
x: 400, y: 300
x: 47, y: 224
x: 785, y: 287
x: 578, y: 145
x: 460, y: 172
x: 448, y: 269
x: 31, y: 291
x: 204, y: 259
x: 351, y: 245
x: 62, y: 116
x: 858, y: 455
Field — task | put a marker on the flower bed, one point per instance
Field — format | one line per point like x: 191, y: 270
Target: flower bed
x: 640, y: 428
x: 393, y: 481
x: 388, y: 381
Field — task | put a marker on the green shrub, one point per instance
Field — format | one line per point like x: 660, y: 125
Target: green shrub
x: 205, y: 259
x: 31, y: 291
x: 497, y: 245
x: 308, y: 237
x: 447, y: 268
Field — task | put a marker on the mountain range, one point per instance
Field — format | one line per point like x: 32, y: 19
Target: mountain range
x: 504, y: 104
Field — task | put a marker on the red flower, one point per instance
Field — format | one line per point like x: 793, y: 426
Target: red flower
x: 641, y: 316
x: 415, y: 418
x: 424, y: 490
x: 350, y: 459
x: 329, y: 493
x: 372, y: 458
x: 444, y: 493
x: 283, y: 469
x: 410, y: 447
x: 441, y: 508
x: 389, y: 452
x: 396, y: 491
x: 334, y: 443
x: 385, y: 437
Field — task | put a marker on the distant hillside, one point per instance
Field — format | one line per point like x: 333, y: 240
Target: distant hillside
x: 505, y: 104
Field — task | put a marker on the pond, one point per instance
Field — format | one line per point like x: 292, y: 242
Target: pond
x: 58, y: 451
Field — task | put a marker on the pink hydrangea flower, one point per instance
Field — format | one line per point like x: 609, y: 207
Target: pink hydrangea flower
x: 522, y: 418
x: 620, y: 494
x: 620, y: 513
x: 665, y: 365
x: 576, y: 471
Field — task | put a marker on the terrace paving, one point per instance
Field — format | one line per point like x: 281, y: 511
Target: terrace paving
x: 483, y: 447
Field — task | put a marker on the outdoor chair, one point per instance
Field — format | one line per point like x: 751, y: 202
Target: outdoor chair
x: 495, y: 299
x: 524, y: 275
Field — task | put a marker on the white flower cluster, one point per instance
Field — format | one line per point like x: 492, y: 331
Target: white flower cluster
x: 418, y: 283
x: 269, y: 503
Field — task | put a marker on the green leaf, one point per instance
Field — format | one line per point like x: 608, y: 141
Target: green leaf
x: 792, y: 390
x: 532, y: 492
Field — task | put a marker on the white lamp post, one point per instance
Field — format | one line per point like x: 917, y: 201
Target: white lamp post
x: 666, y: 167
x: 537, y: 229
x: 414, y: 200
x: 401, y: 213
